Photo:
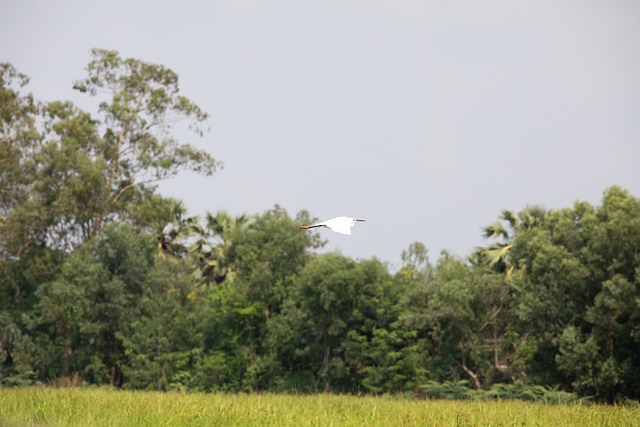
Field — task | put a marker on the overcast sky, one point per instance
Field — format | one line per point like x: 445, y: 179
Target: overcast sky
x: 426, y: 118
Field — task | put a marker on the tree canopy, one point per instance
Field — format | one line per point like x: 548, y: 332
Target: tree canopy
x: 105, y: 281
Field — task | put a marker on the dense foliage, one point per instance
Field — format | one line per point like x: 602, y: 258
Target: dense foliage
x: 103, y: 281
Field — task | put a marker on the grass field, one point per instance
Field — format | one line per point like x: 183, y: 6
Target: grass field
x: 101, y: 407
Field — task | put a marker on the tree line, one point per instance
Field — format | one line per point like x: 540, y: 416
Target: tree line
x: 104, y: 281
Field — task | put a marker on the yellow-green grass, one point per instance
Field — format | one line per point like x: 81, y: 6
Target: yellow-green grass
x: 102, y: 407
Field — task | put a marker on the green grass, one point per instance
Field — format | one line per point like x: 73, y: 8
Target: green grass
x: 101, y: 407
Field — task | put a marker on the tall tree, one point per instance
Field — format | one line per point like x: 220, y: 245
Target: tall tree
x: 597, y: 352
x: 93, y: 305
x: 65, y: 173
x: 213, y: 250
x: 440, y: 311
x: 164, y: 346
x: 143, y: 103
x: 18, y: 139
x: 334, y: 318
x: 265, y: 253
x: 500, y: 255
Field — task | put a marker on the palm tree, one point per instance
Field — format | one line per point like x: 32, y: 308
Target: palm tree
x: 173, y: 228
x: 213, y: 249
x: 499, y: 255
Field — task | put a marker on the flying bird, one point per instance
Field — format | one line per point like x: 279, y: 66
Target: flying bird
x: 341, y: 224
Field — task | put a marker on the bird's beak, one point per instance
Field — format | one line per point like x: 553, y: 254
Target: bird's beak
x: 303, y: 227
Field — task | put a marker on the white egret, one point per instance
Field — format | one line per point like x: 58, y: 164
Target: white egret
x: 341, y: 224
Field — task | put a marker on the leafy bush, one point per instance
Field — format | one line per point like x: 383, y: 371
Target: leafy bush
x: 459, y: 390
x: 449, y: 390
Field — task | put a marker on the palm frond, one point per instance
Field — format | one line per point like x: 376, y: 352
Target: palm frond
x: 495, y: 254
x: 495, y: 230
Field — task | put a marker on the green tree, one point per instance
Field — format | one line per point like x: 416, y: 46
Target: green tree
x: 415, y: 263
x: 144, y: 104
x: 69, y: 182
x: 164, y: 347
x: 18, y: 115
x: 500, y: 255
x: 338, y: 318
x: 25, y: 261
x: 19, y: 137
x: 440, y: 310
x: 380, y: 353
x: 577, y: 279
x: 598, y: 352
x: 64, y: 175
x: 168, y: 219
x: 265, y: 254
x: 91, y: 306
x: 213, y: 250
x: 325, y: 292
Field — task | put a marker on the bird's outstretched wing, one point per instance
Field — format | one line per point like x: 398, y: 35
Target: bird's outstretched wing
x: 341, y: 224
x: 342, y: 229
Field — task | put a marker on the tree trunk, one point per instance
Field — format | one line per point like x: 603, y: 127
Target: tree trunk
x: 110, y: 179
x: 496, y: 357
x: 325, y: 362
x: 474, y: 377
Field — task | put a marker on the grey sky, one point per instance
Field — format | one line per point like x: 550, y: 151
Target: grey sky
x: 426, y: 118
